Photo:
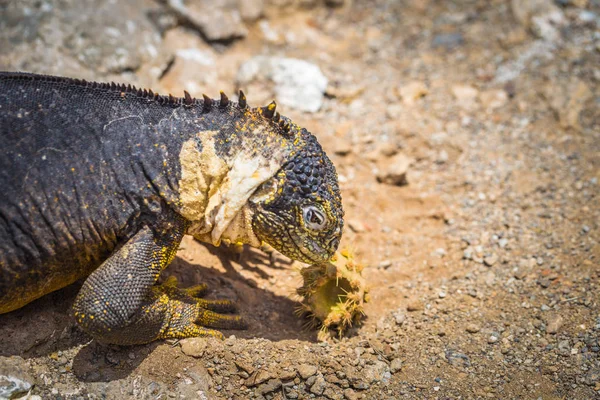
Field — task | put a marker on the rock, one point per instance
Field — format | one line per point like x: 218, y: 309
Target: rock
x: 490, y: 260
x: 78, y: 39
x: 567, y: 101
x: 489, y: 278
x: 542, y: 17
x: 335, y: 3
x: 413, y: 91
x: 357, y: 226
x: 332, y: 394
x: 465, y: 95
x: 592, y: 377
x: 511, y: 70
x: 287, y: 374
x: 389, y: 150
x: 573, y: 3
x: 245, y: 366
x: 113, y: 45
x: 492, y: 99
x: 564, y: 347
x: 493, y: 338
x: 343, y: 147
x: 395, y: 173
x: 193, y: 347
x: 457, y: 359
x: 350, y: 394
x: 346, y: 92
x: 15, y: 381
x: 399, y: 317
x: 251, y: 10
x: 468, y: 253
x: 472, y: 328
x: 519, y: 273
x: 448, y: 41
x: 544, y: 282
x: 395, y: 365
x: 377, y: 372
x: 524, y: 10
x: 307, y: 370
x: 217, y: 20
x: 442, y: 157
x: 318, y: 387
x: 298, y: 83
x: 553, y: 323
x: 193, y: 64
x: 271, y: 386
x: 415, y: 305
x: 257, y: 378
x: 392, y: 111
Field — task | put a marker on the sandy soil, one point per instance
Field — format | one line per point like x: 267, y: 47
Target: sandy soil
x: 483, y: 269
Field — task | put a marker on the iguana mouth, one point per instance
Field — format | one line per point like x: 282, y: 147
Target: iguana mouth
x: 309, y: 255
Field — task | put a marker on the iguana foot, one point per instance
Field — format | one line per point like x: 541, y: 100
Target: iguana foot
x: 121, y: 303
x: 191, y: 315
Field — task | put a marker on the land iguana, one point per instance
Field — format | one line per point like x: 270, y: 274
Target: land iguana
x: 102, y: 180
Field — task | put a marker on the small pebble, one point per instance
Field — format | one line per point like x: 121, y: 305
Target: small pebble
x: 307, y: 370
x: 490, y: 260
x: 400, y: 318
x: 415, y: 305
x: 396, y: 365
x: 554, y: 323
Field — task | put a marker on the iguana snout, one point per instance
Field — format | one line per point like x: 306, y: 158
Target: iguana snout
x: 299, y: 210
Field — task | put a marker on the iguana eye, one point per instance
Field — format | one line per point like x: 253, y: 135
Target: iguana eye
x: 314, y: 218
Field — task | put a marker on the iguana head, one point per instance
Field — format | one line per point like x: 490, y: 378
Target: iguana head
x: 256, y: 177
x: 299, y: 210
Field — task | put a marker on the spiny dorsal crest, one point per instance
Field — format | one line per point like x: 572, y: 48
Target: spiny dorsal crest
x: 188, y: 100
x: 242, y: 100
x: 224, y: 100
x: 268, y: 112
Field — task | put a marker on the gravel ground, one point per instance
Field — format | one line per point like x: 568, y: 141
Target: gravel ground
x: 467, y: 139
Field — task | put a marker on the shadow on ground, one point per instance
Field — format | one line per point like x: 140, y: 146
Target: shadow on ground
x: 45, y: 327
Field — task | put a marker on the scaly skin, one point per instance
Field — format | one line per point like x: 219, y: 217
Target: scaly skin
x: 102, y: 181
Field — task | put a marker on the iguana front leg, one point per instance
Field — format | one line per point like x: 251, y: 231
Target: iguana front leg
x: 120, y: 302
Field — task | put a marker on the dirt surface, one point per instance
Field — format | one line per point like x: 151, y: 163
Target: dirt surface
x: 482, y: 259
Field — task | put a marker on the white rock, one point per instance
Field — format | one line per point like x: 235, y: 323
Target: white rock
x: 568, y: 100
x: 465, y: 95
x: 251, y: 10
x: 396, y: 170
x: 298, y: 83
x: 492, y: 99
x: 542, y: 17
x: 553, y: 323
x: 217, y: 20
x: 15, y: 381
x: 413, y: 91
